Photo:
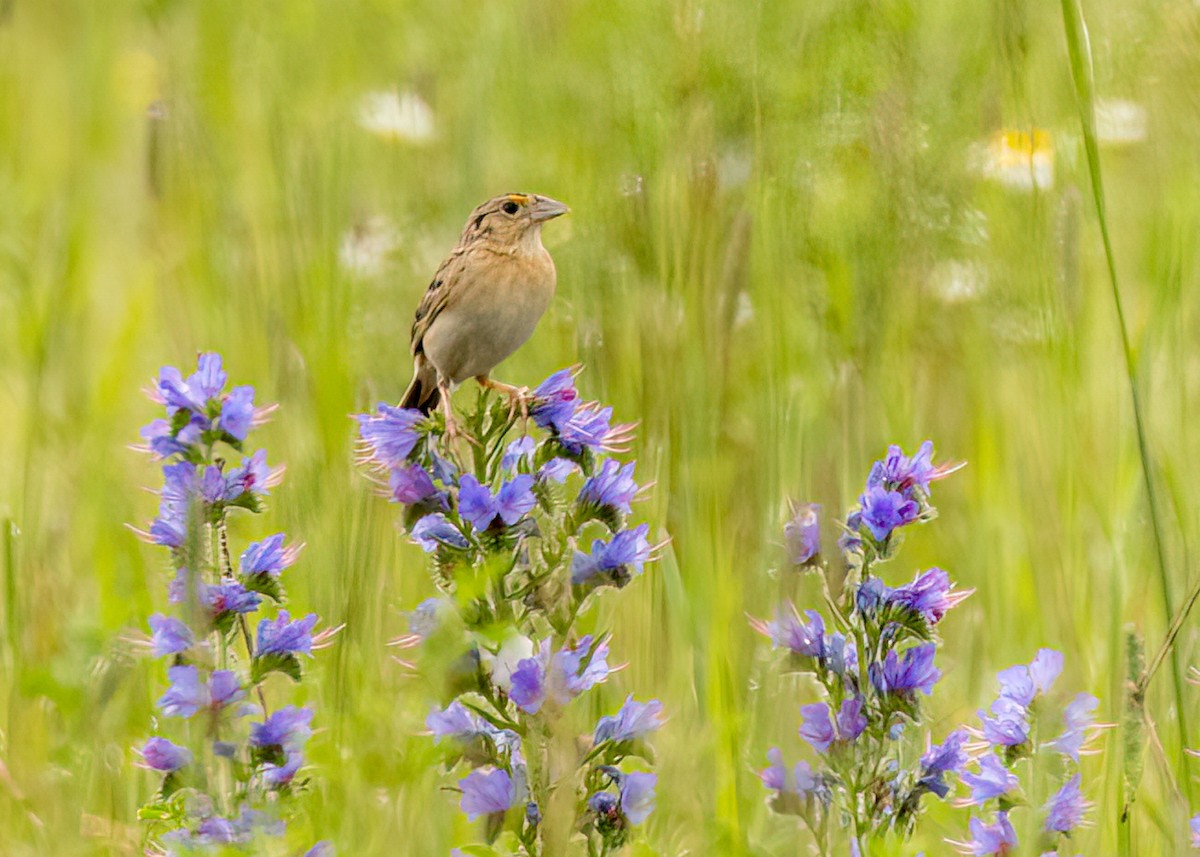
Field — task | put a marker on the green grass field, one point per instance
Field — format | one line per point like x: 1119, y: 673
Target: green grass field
x: 798, y: 234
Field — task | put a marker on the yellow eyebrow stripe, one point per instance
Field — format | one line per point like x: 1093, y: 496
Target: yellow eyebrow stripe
x: 519, y: 198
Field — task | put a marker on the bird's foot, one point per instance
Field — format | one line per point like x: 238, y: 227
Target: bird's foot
x: 453, y: 430
x: 518, y: 397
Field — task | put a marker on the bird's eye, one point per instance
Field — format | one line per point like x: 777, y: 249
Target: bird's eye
x: 509, y: 207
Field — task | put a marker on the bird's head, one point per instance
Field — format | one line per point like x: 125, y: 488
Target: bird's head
x: 512, y: 220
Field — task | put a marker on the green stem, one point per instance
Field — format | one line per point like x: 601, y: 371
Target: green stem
x: 1081, y: 69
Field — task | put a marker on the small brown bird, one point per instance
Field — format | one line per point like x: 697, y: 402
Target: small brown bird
x: 484, y: 301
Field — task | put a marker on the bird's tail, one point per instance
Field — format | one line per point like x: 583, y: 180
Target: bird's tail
x: 422, y: 392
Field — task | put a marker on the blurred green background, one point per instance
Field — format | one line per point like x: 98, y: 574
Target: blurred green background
x: 800, y: 231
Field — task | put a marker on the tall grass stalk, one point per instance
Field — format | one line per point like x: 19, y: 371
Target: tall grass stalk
x: 1081, y: 71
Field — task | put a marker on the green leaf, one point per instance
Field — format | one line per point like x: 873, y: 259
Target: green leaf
x: 265, y: 584
x: 287, y: 664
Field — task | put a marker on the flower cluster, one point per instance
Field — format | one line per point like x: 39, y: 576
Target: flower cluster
x: 522, y: 536
x: 228, y: 785
x: 1007, y: 738
x: 874, y: 661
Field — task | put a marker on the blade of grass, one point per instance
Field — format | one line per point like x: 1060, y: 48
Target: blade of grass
x: 1080, y: 53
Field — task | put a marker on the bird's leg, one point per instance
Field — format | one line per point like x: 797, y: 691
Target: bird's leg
x: 453, y: 432
x: 518, y: 397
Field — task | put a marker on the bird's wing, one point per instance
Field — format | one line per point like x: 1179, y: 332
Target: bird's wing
x: 443, y: 291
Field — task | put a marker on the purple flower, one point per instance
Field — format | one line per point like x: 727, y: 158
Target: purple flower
x: 454, y: 722
x: 993, y: 780
x: 850, y: 720
x: 930, y: 594
x: 817, y: 728
x: 611, y: 561
x: 1194, y: 824
x: 161, y: 755
x: 163, y: 442
x: 803, y: 534
x: 237, y: 412
x: 1009, y: 724
x: 389, y: 434
x: 902, y: 473
x: 997, y: 838
x: 268, y: 556
x: 288, y: 727
x: 423, y: 620
x: 637, y: 796
x: 883, y: 511
x: 1064, y: 811
x: 528, y: 690
x: 435, y: 530
x: 589, y: 427
x: 479, y: 506
x: 486, y: 793
x: 186, y: 694
x: 557, y: 470
x: 277, y: 776
x: 253, y: 476
x: 1045, y: 668
x: 411, y: 484
x: 632, y: 721
x: 839, y: 655
x: 324, y: 848
x: 777, y: 776
x: 224, y: 688
x: 914, y: 672
x: 515, y: 499
x: 519, y: 450
x: 581, y: 667
x: 282, y: 636
x: 231, y: 597
x: 788, y: 631
x: 947, y: 757
x: 170, y: 635
x: 194, y: 393
x: 554, y: 400
x: 850, y: 541
x: 612, y: 487
x: 1017, y: 685
x: 1078, y: 719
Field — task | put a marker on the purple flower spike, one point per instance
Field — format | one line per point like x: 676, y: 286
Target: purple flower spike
x: 608, y: 561
x: 803, y: 638
x: 161, y: 755
x: 883, y: 511
x: 253, y: 476
x: 282, y: 636
x: 637, y: 796
x: 486, y: 793
x: 803, y: 534
x: 1064, y: 811
x: 170, y: 635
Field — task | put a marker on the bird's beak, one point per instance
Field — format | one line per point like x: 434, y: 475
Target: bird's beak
x: 545, y: 208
